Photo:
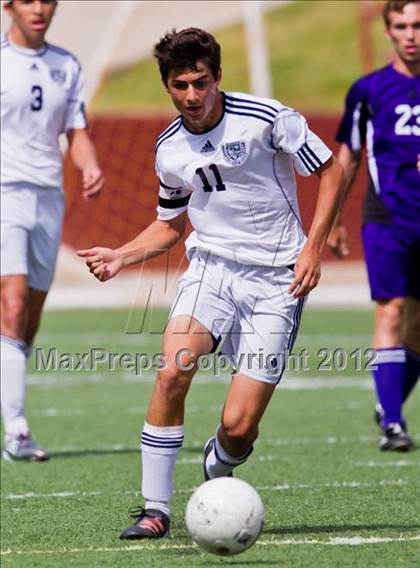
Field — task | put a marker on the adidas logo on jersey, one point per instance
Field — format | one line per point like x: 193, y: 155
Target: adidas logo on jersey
x: 33, y: 67
x: 208, y: 147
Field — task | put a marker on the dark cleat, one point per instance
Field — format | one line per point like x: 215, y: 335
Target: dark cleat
x: 150, y: 523
x: 394, y: 438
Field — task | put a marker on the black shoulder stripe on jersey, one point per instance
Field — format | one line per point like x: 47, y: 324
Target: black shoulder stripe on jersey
x: 167, y: 131
x: 244, y: 107
x: 251, y: 115
x: 306, y: 161
x: 168, y: 186
x: 250, y: 101
x: 170, y: 127
x: 174, y: 203
x: 312, y: 153
x: 173, y: 131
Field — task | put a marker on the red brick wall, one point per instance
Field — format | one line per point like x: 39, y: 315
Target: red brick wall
x: 125, y: 148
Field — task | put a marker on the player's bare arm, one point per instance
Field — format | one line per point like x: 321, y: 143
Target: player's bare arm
x: 83, y: 155
x: 350, y: 162
x: 105, y: 263
x: 308, y: 263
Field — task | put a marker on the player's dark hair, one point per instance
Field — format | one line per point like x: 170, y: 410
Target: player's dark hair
x: 10, y: 2
x: 395, y: 6
x: 182, y: 50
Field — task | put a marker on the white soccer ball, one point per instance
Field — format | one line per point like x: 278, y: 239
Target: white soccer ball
x: 225, y: 516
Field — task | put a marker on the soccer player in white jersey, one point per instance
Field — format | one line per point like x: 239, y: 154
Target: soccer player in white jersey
x: 41, y: 97
x: 227, y: 162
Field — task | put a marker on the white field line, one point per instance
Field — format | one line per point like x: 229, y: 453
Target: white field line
x: 52, y: 412
x: 98, y: 339
x: 146, y: 338
x: 196, y: 444
x: 328, y: 440
x: 332, y: 541
x: 70, y: 378
x: 280, y: 487
x: 399, y: 463
x: 59, y: 412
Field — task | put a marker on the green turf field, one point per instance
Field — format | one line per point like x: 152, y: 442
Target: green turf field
x: 332, y: 500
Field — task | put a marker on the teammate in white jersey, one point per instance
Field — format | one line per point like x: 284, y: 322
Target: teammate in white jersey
x: 227, y: 162
x: 41, y: 98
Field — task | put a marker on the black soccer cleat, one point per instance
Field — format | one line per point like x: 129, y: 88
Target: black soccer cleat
x: 150, y: 523
x: 394, y: 438
x: 207, y: 449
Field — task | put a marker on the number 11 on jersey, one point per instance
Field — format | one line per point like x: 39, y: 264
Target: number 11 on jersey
x: 220, y: 186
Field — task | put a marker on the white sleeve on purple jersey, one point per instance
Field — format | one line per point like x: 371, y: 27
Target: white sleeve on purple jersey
x: 353, y: 126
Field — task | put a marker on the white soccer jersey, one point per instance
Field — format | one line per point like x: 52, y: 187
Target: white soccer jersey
x: 237, y: 180
x: 41, y: 97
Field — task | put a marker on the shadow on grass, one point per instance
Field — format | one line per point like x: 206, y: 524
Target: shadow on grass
x: 334, y: 529
x: 227, y: 562
x: 92, y: 453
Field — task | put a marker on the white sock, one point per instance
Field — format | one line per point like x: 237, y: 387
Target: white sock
x: 13, y: 371
x: 159, y: 449
x: 219, y: 463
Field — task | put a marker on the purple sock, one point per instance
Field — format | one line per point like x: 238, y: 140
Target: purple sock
x: 412, y: 372
x: 389, y: 380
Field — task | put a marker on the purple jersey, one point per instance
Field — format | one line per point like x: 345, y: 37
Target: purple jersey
x: 383, y: 112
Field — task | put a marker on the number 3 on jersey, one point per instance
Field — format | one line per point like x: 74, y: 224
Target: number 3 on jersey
x: 220, y: 186
x: 37, y: 100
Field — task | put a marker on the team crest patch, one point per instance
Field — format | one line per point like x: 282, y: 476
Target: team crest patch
x: 235, y: 153
x: 58, y: 75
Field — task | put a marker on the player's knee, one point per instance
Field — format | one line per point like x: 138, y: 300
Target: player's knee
x: 14, y: 312
x: 171, y: 385
x: 240, y: 428
x: 390, y: 316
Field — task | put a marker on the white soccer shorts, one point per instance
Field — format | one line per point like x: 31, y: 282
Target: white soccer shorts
x: 246, y: 308
x: 31, y: 223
